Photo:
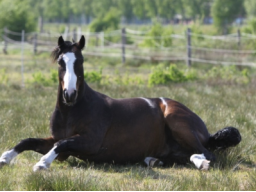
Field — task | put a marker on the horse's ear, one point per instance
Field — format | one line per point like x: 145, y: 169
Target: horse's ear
x: 81, y: 42
x: 60, y: 41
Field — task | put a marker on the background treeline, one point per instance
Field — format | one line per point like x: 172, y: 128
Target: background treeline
x: 27, y: 14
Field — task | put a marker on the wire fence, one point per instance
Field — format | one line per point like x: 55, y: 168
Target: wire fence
x: 232, y: 49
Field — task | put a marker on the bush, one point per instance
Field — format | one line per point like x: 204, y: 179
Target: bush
x: 93, y: 77
x: 159, y: 36
x: 161, y: 75
x: 3, y: 76
x: 41, y: 79
x: 109, y: 22
x: 16, y: 16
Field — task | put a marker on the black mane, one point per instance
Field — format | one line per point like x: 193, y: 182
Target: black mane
x: 57, y: 51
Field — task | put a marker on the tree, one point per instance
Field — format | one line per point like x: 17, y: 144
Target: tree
x: 224, y: 12
x: 126, y: 8
x: 82, y: 7
x: 101, y: 7
x: 250, y: 8
x: 57, y: 9
x: 151, y: 8
x: 110, y: 21
x: 16, y: 15
x: 138, y: 8
x: 197, y: 8
x: 169, y: 8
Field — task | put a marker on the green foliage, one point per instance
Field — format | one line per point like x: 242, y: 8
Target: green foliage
x: 231, y: 73
x: 158, y: 36
x: 93, y: 77
x: 196, y: 28
x: 17, y: 16
x: 250, y: 27
x: 224, y: 13
x: 250, y: 7
x: 161, y: 75
x: 41, y: 79
x: 3, y: 76
x: 108, y: 22
x: 54, y: 76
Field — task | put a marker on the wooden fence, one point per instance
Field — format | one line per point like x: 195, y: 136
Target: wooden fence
x: 128, y: 44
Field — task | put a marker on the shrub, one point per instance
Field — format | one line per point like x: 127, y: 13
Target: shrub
x: 3, y: 76
x: 161, y: 75
x: 41, y: 79
x: 159, y: 36
x: 93, y: 77
x: 109, y: 22
x: 16, y: 16
x: 54, y: 76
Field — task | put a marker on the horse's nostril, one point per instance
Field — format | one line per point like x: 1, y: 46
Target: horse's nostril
x: 65, y: 94
x: 73, y: 95
x: 69, y: 97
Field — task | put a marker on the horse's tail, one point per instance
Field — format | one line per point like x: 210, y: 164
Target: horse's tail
x: 224, y: 138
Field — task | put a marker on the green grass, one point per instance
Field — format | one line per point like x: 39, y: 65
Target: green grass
x: 25, y: 112
x: 221, y: 97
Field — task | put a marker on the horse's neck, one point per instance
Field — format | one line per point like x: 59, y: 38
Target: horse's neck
x: 85, y: 95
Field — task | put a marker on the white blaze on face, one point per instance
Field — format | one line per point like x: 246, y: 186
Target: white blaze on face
x: 70, y: 77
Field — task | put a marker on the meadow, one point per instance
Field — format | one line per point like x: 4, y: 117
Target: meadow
x: 221, y: 95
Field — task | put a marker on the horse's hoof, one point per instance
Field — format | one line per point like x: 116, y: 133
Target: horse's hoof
x: 155, y: 163
x: 2, y: 163
x: 39, y: 166
x: 205, y: 165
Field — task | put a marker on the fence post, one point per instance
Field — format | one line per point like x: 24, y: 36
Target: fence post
x: 22, y: 57
x: 79, y: 32
x: 123, y: 45
x: 5, y: 41
x: 35, y: 43
x: 87, y: 37
x: 65, y: 35
x: 188, y: 47
x: 97, y: 39
x: 74, y: 34
x: 102, y: 39
x: 239, y: 39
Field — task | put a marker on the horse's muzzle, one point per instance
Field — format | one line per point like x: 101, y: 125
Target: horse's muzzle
x: 70, y: 98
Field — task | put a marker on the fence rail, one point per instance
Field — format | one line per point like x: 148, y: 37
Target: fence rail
x: 128, y: 44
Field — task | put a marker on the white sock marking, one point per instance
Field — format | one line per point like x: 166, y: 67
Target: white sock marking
x: 148, y: 160
x: 8, y: 156
x: 148, y: 101
x: 70, y: 77
x: 46, y: 160
x: 200, y: 161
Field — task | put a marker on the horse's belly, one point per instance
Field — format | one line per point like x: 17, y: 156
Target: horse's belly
x: 132, y: 144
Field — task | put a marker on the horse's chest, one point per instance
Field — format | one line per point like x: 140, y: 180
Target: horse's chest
x: 68, y: 126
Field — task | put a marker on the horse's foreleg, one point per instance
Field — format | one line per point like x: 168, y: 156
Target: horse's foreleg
x: 35, y: 144
x: 76, y: 144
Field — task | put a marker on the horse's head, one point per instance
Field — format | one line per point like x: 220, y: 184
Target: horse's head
x: 71, y: 74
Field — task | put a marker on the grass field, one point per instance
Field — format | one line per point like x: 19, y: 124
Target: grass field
x: 219, y: 96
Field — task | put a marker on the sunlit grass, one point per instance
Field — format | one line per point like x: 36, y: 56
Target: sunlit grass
x: 25, y: 112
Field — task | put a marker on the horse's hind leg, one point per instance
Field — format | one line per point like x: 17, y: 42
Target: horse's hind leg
x: 35, y: 144
x: 190, y: 133
x: 152, y: 162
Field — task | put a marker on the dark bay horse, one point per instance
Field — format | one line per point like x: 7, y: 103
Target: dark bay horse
x: 92, y: 126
